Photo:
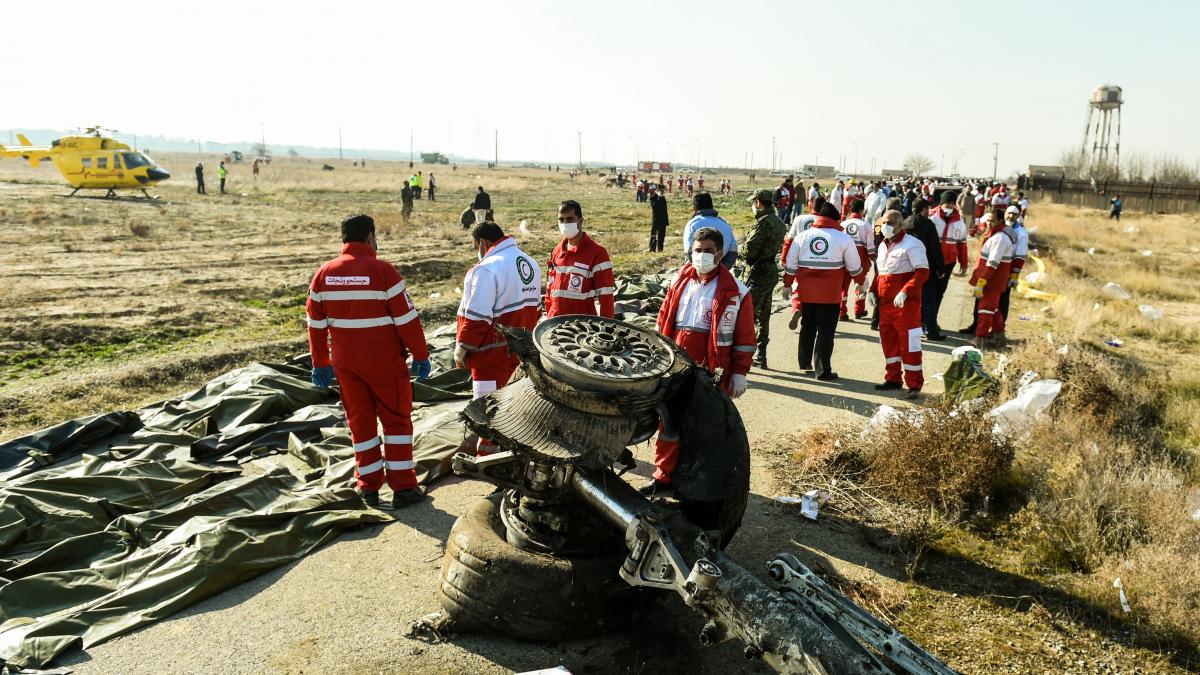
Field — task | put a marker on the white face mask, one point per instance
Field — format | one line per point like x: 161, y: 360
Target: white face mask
x: 888, y: 230
x: 947, y: 210
x: 704, y: 262
x: 568, y: 230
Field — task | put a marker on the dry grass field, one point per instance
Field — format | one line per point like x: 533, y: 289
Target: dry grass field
x: 114, y: 303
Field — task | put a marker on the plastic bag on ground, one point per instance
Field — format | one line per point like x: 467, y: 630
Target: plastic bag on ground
x: 966, y: 379
x: 1013, y: 417
x: 1150, y: 312
x: 1114, y: 290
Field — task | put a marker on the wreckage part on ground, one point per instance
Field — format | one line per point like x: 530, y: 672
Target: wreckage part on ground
x: 604, y: 354
x: 799, y: 585
x: 488, y: 585
x: 787, y: 636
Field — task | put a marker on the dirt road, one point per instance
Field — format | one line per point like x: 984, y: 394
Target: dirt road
x: 344, y: 609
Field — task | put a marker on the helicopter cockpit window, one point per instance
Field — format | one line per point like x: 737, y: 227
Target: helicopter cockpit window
x: 101, y: 162
x: 135, y: 159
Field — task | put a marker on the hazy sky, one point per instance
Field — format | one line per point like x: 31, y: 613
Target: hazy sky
x: 725, y: 76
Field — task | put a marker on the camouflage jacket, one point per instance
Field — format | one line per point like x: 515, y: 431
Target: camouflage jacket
x: 763, y: 244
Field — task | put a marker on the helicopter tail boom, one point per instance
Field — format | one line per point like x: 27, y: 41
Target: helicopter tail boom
x: 27, y: 150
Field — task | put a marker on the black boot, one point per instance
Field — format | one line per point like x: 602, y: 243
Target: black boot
x: 370, y: 498
x: 405, y: 498
x: 888, y: 385
x: 656, y: 488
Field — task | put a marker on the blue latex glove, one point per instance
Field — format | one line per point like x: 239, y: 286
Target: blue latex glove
x: 323, y: 377
x: 421, y: 368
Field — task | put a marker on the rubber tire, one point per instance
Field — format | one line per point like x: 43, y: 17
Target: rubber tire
x: 488, y: 585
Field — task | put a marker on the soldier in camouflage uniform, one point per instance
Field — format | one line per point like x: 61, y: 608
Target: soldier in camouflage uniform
x: 759, y: 252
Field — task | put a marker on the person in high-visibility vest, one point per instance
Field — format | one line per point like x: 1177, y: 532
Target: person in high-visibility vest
x: 222, y: 174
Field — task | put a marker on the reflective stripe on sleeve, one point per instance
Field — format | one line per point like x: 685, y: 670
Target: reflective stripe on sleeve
x: 607, y: 290
x: 408, y: 316
x: 394, y: 290
x: 602, y: 266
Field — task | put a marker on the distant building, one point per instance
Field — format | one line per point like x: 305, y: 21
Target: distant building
x: 655, y: 166
x: 895, y: 172
x: 818, y: 170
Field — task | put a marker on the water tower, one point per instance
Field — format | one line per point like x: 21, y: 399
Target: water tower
x: 1105, y: 99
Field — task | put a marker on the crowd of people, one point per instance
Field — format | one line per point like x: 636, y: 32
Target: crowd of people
x: 897, y: 242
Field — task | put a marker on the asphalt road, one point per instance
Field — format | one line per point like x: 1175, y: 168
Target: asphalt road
x: 344, y: 609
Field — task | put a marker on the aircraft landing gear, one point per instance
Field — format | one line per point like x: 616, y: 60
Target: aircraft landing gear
x: 111, y: 193
x: 73, y: 192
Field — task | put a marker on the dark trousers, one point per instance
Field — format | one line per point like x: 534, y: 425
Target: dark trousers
x: 200, y: 186
x: 431, y: 195
x: 658, y: 235
x: 416, y: 193
x: 222, y: 186
x: 931, y: 302
x: 818, y: 322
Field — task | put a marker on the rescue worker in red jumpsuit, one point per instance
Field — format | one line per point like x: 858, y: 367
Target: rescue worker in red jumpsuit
x: 902, y: 268
x: 504, y: 288
x: 799, y: 224
x: 579, y: 275
x: 990, y: 278
x: 359, y: 302
x: 710, y: 314
x: 817, y: 261
x: 864, y: 241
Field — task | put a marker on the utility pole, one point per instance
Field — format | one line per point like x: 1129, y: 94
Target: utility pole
x: 995, y: 159
x: 773, y: 167
x: 496, y: 163
x: 410, y: 147
x: 340, y: 143
x: 856, y: 159
x: 579, y: 146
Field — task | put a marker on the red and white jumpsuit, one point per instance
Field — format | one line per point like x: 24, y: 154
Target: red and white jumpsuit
x: 504, y: 288
x: 686, y: 316
x: 994, y: 266
x: 952, y: 233
x: 864, y: 240
x: 902, y: 266
x: 799, y: 225
x: 579, y: 277
x: 818, y: 260
x: 358, y: 302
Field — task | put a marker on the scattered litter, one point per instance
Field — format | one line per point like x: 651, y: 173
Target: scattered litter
x: 1002, y: 364
x: 938, y: 376
x: 245, y: 195
x: 1114, y: 290
x: 1147, y: 253
x: 786, y: 500
x: 557, y: 670
x: 435, y: 294
x: 1096, y: 307
x: 969, y: 352
x: 1194, y: 505
x: 1050, y: 339
x: 457, y: 291
x: 1115, y: 342
x: 428, y: 628
x: 1129, y: 229
x: 1150, y: 312
x: 1032, y: 229
x: 965, y: 379
x: 1034, y: 278
x: 1016, y: 415
x: 812, y: 502
x: 1063, y: 350
x: 1023, y: 317
x: 1091, y: 250
x: 1027, y: 377
x: 1194, y: 249
x: 879, y: 420
x: 1121, y: 595
x: 524, y: 226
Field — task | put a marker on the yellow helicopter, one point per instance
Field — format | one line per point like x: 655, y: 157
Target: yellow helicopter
x: 93, y: 162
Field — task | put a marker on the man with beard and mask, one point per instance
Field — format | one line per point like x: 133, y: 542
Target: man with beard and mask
x: 902, y: 271
x: 359, y: 303
x: 817, y: 261
x: 952, y: 238
x: 580, y: 274
x: 920, y: 226
x: 765, y: 239
x: 710, y: 315
x: 504, y: 289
